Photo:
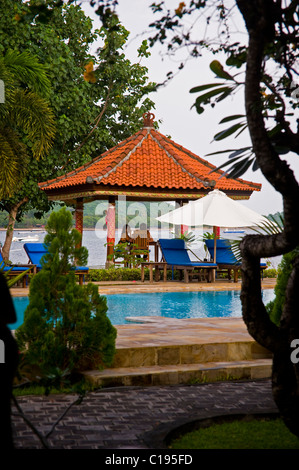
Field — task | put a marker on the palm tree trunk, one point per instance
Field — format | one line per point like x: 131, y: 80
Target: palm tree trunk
x: 12, y: 215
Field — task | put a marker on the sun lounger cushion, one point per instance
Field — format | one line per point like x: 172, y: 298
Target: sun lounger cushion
x: 36, y: 251
x: 175, y: 253
x: 224, y: 254
x: 12, y: 268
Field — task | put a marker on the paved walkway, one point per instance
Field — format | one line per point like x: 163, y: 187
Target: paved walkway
x: 132, y: 417
x: 121, y: 287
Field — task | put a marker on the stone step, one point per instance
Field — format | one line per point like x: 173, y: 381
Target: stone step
x: 164, y: 355
x: 180, y: 374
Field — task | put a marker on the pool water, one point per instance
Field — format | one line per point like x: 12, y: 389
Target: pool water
x: 211, y: 304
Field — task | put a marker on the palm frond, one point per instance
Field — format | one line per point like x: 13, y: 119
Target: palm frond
x: 13, y: 159
x: 235, y: 247
x: 27, y: 69
x: 12, y: 281
x: 274, y: 226
x: 32, y: 114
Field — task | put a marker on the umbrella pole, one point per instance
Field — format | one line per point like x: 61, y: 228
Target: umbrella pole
x: 215, y: 242
x: 215, y: 247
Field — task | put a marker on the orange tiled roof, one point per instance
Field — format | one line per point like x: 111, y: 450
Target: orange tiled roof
x: 149, y: 159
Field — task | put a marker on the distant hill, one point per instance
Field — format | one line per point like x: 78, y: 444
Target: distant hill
x: 91, y: 215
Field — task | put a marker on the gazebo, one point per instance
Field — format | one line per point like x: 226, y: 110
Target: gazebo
x: 148, y: 166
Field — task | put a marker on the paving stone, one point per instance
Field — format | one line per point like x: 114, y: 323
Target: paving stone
x: 93, y: 424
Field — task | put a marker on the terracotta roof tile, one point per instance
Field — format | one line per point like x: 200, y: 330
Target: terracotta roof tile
x: 151, y: 160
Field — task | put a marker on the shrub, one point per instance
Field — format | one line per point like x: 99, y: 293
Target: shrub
x: 275, y: 307
x: 65, y: 324
x: 115, y: 274
x: 270, y: 273
x: 122, y: 274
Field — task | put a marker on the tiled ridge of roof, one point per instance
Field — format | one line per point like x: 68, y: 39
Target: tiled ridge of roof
x: 123, y: 157
x: 81, y: 168
x: 159, y: 138
x: 204, y: 162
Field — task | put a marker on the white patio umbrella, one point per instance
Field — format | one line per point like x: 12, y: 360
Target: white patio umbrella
x: 216, y: 210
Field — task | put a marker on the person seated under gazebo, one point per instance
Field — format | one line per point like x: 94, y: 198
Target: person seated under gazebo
x: 126, y: 235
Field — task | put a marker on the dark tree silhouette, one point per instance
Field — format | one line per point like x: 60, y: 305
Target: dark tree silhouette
x: 8, y: 366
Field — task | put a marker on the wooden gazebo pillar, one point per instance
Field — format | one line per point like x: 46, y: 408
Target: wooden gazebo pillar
x: 110, y: 231
x: 79, y: 216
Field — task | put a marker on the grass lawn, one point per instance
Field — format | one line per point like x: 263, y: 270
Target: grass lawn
x: 255, y: 434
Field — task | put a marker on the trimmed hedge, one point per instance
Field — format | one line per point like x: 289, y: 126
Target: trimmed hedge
x: 122, y: 274
x: 270, y: 272
x: 134, y: 274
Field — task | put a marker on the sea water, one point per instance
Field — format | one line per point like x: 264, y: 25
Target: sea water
x: 95, y: 242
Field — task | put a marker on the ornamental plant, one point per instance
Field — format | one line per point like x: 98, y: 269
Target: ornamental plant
x: 275, y: 307
x: 65, y: 324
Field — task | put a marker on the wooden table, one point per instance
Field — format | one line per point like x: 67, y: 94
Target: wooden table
x: 157, y: 265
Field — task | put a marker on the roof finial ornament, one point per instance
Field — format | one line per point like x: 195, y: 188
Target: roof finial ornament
x: 148, y: 119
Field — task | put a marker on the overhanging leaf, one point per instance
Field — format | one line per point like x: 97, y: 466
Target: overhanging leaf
x: 222, y: 151
x: 210, y: 94
x: 255, y: 165
x: 227, y: 132
x: 231, y: 118
x: 224, y: 95
x: 218, y: 70
x: 200, y: 88
x: 238, y: 152
x: 240, y: 168
x: 226, y: 164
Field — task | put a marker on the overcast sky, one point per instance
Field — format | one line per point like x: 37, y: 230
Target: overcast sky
x: 173, y: 102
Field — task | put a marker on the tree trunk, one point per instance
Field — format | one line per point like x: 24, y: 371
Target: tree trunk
x: 259, y: 16
x: 12, y: 215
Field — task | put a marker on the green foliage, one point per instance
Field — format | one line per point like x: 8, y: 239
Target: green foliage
x: 275, y: 307
x: 90, y: 117
x: 278, y: 99
x: 65, y: 324
x: 122, y: 274
x: 188, y: 237
x: 270, y: 273
x: 273, y: 225
x: 127, y: 252
x: 260, y: 433
x: 27, y: 122
x: 206, y: 236
x: 116, y: 274
x: 63, y: 243
x: 13, y: 280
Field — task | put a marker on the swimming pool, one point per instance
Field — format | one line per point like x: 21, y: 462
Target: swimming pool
x: 207, y: 304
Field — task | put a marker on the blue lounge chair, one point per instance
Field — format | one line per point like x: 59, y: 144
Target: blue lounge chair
x: 175, y: 254
x: 225, y: 258
x: 35, y: 252
x: 15, y: 270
